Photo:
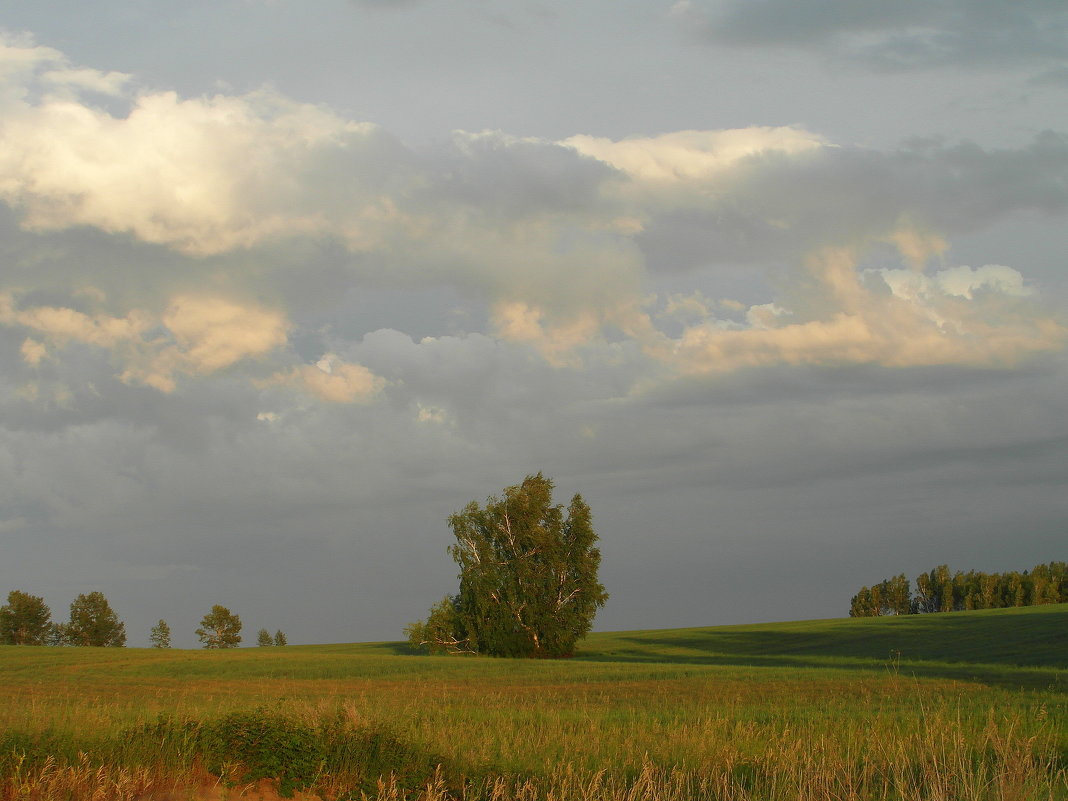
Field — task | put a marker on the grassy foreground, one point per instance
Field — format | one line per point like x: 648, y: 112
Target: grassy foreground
x: 971, y: 705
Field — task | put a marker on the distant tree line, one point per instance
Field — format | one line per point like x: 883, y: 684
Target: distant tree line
x: 941, y: 591
x: 26, y: 620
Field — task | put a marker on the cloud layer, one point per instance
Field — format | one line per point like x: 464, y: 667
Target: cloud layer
x: 895, y: 34
x: 561, y: 241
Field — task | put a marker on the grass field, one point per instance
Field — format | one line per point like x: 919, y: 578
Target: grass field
x: 969, y: 705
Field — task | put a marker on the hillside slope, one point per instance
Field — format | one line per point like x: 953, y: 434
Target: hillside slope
x: 1029, y: 637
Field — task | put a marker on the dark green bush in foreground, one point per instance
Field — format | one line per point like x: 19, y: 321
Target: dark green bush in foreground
x: 244, y: 747
x: 266, y: 744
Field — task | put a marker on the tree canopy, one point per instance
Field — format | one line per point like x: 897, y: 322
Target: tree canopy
x: 939, y: 590
x: 220, y: 628
x: 528, y: 577
x: 25, y: 620
x: 161, y: 635
x: 93, y: 623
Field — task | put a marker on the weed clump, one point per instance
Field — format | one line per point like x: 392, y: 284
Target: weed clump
x: 246, y: 746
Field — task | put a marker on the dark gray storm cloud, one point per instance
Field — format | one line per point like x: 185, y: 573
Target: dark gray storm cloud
x: 898, y: 34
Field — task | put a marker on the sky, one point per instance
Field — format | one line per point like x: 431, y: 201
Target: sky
x: 779, y: 287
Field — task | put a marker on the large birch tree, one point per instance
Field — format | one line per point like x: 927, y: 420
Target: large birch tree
x: 528, y: 577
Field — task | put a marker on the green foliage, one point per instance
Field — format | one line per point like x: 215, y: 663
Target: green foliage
x: 94, y: 623
x: 263, y: 639
x: 58, y: 635
x: 889, y: 597
x: 296, y: 751
x: 862, y: 604
x: 268, y: 745
x: 220, y: 628
x: 25, y: 620
x: 280, y: 638
x: 528, y: 577
x: 441, y: 633
x: 939, y: 590
x: 161, y: 635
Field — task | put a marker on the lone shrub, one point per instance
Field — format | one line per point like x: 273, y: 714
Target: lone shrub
x: 267, y: 744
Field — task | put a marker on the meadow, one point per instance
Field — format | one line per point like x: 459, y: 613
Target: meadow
x: 969, y: 706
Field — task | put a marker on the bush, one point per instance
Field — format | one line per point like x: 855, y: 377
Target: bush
x: 268, y: 744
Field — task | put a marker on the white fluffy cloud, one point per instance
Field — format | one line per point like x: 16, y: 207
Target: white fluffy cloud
x: 202, y: 175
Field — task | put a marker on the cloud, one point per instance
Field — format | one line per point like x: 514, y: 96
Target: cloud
x: 960, y: 281
x: 778, y: 206
x: 62, y: 325
x: 333, y: 380
x: 194, y: 335
x: 1057, y: 76
x: 391, y: 4
x: 517, y: 321
x: 211, y: 333
x: 33, y: 352
x: 893, y: 34
x: 84, y: 79
x: 20, y: 56
x: 905, y: 318
x: 561, y: 247
x: 689, y: 156
x: 203, y: 176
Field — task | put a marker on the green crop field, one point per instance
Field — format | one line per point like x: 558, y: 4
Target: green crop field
x: 969, y: 705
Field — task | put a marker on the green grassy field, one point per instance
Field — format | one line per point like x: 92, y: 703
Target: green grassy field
x: 969, y: 705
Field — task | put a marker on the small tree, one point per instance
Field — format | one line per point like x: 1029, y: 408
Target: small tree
x: 280, y: 638
x: 926, y: 594
x: 528, y: 577
x: 263, y: 639
x: 442, y: 633
x: 220, y: 628
x: 860, y: 605
x: 94, y: 623
x: 897, y: 595
x: 25, y: 620
x: 161, y: 635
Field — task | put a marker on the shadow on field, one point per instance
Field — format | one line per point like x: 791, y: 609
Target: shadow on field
x: 990, y: 675
x: 1000, y: 648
